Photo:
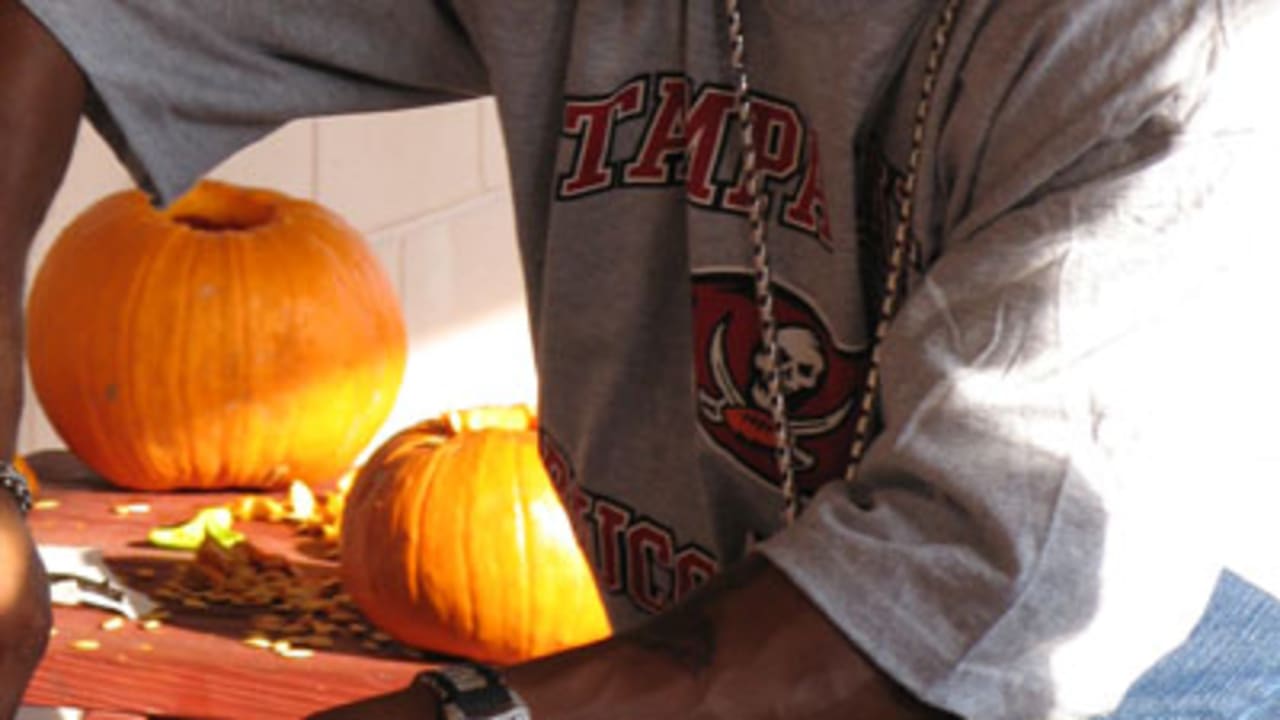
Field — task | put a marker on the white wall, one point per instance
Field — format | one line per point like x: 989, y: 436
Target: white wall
x: 429, y: 190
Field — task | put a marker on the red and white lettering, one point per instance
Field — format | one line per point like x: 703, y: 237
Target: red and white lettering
x: 777, y: 132
x: 807, y: 209
x: 637, y: 558
x: 556, y: 464
x: 693, y: 568
x: 649, y: 550
x: 685, y: 141
x: 660, y: 160
x: 593, y: 123
x: 611, y: 521
x: 705, y: 127
x: 579, y: 509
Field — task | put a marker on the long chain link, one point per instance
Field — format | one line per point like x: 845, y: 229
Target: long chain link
x: 895, y: 272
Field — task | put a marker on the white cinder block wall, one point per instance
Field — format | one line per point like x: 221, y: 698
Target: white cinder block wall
x: 429, y: 190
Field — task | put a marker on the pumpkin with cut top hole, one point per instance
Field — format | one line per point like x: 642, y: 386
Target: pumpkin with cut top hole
x: 454, y: 540
x: 238, y: 338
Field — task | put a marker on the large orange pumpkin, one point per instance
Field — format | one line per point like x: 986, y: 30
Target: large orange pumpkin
x: 239, y: 338
x: 454, y: 540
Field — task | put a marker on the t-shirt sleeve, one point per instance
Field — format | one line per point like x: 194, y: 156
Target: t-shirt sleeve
x: 179, y: 85
x: 1077, y: 391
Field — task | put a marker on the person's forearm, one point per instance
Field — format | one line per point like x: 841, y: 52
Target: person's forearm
x: 750, y: 646
x: 43, y: 92
x: 41, y: 96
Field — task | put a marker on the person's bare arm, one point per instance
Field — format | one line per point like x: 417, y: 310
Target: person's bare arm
x: 750, y: 645
x: 41, y: 96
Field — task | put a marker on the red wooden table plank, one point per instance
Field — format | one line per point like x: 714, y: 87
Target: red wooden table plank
x: 196, y: 664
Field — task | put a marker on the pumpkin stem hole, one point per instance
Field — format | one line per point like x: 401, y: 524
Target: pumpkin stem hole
x: 221, y: 211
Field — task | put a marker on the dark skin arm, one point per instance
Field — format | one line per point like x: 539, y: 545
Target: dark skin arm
x: 748, y: 646
x: 43, y: 93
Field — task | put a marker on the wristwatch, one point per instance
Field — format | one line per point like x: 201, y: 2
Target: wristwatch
x: 13, y: 482
x: 468, y: 691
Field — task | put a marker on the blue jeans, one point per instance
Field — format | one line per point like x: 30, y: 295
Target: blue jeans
x: 1229, y: 668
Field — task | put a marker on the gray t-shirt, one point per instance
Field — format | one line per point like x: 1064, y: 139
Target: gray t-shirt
x: 1075, y: 430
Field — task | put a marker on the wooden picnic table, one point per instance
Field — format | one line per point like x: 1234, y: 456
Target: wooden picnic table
x: 196, y: 663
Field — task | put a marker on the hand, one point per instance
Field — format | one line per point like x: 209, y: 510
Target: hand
x: 25, y: 616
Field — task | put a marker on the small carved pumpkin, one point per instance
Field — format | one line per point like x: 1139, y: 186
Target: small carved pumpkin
x: 455, y: 541
x: 239, y: 338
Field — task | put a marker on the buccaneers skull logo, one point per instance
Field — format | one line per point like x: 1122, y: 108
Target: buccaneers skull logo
x: 818, y: 380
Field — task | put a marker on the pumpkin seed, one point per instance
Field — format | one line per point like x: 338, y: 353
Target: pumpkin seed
x: 258, y: 641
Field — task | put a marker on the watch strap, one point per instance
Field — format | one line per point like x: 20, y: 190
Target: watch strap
x: 468, y: 691
x: 16, y: 485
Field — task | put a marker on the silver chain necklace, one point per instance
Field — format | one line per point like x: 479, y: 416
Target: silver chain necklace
x: 784, y: 450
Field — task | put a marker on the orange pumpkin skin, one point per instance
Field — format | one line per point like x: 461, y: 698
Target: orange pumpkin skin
x: 454, y: 540
x: 33, y: 482
x: 239, y: 338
